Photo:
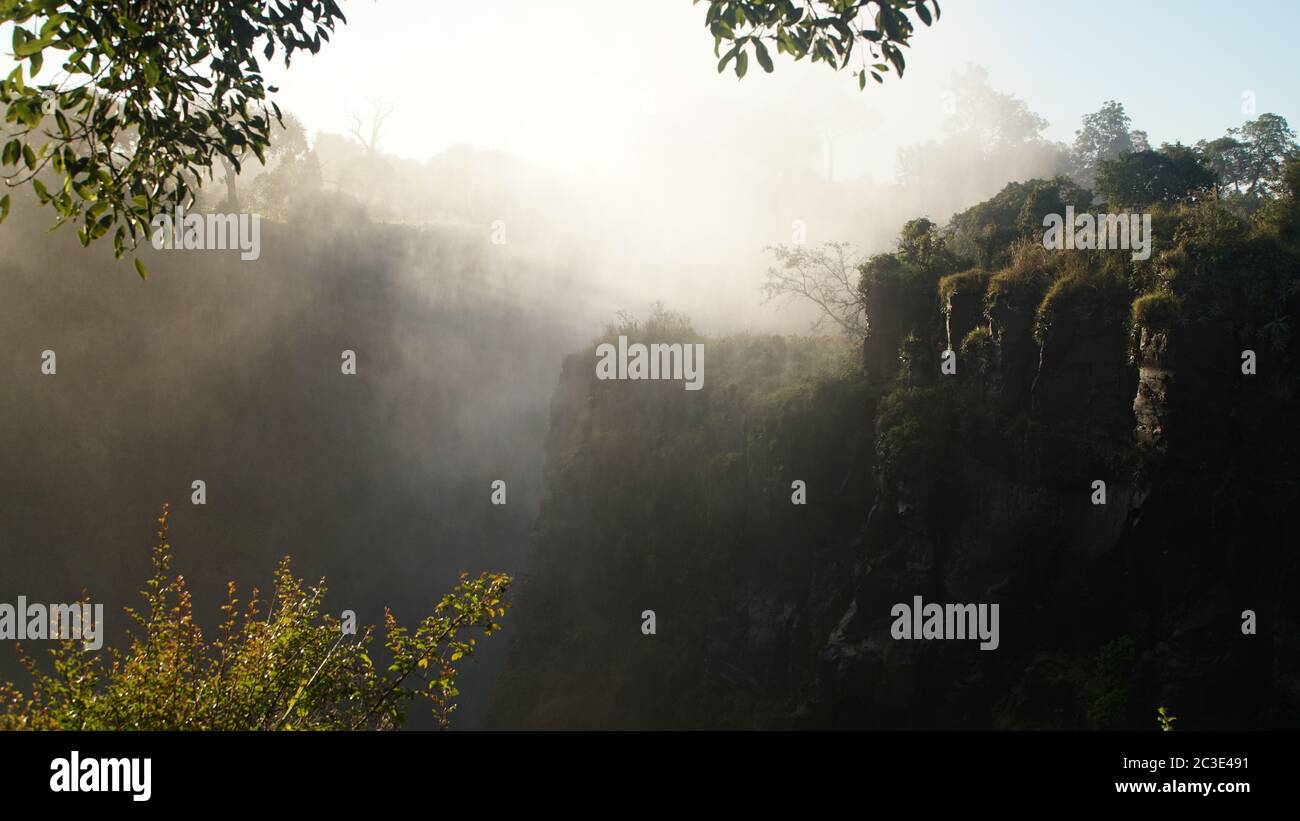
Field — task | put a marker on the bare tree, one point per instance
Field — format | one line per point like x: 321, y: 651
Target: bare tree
x: 827, y: 276
x: 379, y: 112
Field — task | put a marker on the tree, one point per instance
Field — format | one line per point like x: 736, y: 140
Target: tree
x: 827, y: 277
x: 288, y: 143
x: 293, y: 172
x: 1248, y: 161
x: 992, y: 118
x: 920, y: 245
x: 1226, y: 158
x: 1266, y: 143
x: 983, y: 234
x: 989, y: 137
x: 897, y: 289
x: 379, y: 112
x: 828, y: 30
x: 1105, y: 134
x: 285, y: 667
x: 151, y: 97
x: 1174, y: 173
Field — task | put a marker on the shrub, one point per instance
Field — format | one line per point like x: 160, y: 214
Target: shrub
x: 897, y: 289
x: 1108, y: 684
x: 1081, y: 299
x: 977, y: 349
x: 290, y: 668
x: 913, y: 435
x: 1158, y: 311
x: 1025, y: 280
x: 986, y: 232
x: 973, y: 281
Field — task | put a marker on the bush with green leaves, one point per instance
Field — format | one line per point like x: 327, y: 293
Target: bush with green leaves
x: 966, y: 283
x: 280, y: 664
x: 145, y: 98
x: 985, y: 233
x: 914, y: 437
x: 978, y: 350
x: 1107, y: 687
x: 1021, y: 285
x: 1081, y: 300
x: 897, y: 289
x: 1157, y: 311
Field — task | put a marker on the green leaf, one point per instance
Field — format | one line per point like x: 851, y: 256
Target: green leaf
x: 140, y: 269
x: 4, y: 207
x: 764, y: 59
x: 742, y: 63
x: 728, y: 57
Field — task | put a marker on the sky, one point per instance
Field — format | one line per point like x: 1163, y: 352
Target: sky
x: 582, y: 87
x: 579, y: 86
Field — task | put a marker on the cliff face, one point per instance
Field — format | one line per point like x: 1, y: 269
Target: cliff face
x: 1107, y: 471
x: 680, y: 502
x: 772, y: 614
x: 1107, y: 609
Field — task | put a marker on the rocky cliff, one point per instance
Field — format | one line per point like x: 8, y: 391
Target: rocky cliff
x: 1107, y: 471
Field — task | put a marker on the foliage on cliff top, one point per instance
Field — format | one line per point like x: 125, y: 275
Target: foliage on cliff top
x: 1157, y: 310
x: 1243, y: 273
x: 288, y: 667
x: 661, y: 324
x: 1080, y: 299
x: 897, y: 288
x: 1021, y: 285
x: 971, y: 281
x: 985, y: 233
x: 1140, y: 178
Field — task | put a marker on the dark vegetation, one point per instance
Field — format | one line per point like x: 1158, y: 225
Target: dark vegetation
x: 1073, y: 366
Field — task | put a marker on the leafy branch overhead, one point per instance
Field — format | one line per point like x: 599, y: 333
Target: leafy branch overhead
x: 137, y: 101
x: 826, y: 30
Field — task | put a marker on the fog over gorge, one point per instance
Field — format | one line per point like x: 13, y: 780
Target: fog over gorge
x: 464, y: 200
x: 227, y: 371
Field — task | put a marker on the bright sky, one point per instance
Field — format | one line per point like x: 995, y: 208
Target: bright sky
x: 581, y: 86
x: 584, y: 86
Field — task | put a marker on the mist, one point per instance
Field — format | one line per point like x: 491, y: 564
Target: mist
x: 461, y: 276
x: 540, y: 169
